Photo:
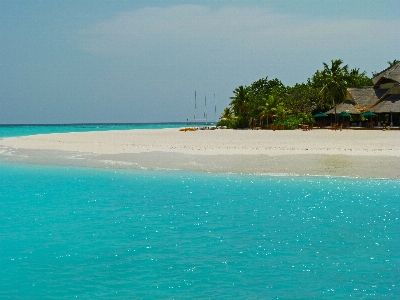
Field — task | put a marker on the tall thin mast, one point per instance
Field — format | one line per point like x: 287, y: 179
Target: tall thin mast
x: 215, y: 109
x: 205, y: 108
x: 195, y: 106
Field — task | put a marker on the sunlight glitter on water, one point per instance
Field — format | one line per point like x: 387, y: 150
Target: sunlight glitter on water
x: 146, y: 234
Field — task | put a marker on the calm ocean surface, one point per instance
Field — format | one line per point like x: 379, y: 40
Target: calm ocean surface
x: 20, y: 130
x: 75, y: 233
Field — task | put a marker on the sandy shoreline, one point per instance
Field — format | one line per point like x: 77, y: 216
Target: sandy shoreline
x: 366, y: 153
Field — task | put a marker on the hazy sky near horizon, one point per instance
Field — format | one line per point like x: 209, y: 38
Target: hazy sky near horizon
x: 98, y: 61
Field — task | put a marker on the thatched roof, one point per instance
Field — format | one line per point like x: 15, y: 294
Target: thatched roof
x: 390, y: 102
x: 388, y: 105
x: 374, y: 98
x: 347, y: 106
x: 364, y: 97
x: 391, y: 74
x: 359, y: 99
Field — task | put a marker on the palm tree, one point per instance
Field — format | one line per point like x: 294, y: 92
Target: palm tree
x: 392, y: 63
x: 226, y: 114
x: 335, y: 80
x: 239, y: 100
x: 359, y: 79
x: 270, y: 107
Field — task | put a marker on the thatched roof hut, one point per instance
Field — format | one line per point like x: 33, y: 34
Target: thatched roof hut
x: 388, y: 103
x: 359, y: 100
x: 364, y: 97
x: 390, y: 75
x: 391, y: 104
x: 347, y: 106
x: 383, y: 97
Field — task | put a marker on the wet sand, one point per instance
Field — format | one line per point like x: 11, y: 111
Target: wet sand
x: 363, y: 153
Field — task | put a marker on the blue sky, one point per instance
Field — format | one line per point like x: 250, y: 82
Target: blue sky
x: 141, y: 61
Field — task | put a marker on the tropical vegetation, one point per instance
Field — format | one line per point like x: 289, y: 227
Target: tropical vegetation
x: 268, y: 102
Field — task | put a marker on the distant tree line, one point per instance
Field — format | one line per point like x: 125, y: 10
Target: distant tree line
x: 269, y: 102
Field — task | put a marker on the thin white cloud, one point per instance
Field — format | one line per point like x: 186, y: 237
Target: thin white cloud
x: 187, y: 28
x: 183, y: 28
x: 202, y: 44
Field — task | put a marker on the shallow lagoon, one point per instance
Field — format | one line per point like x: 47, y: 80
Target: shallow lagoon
x: 86, y: 233
x: 23, y: 130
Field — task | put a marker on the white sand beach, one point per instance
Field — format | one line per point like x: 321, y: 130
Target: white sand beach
x: 354, y: 153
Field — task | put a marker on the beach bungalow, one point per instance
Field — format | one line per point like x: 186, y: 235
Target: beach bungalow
x: 383, y: 98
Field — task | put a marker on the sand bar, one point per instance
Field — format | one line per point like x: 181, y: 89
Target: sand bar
x: 361, y: 153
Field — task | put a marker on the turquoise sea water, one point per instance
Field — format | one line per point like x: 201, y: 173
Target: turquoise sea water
x: 75, y: 233
x: 20, y: 130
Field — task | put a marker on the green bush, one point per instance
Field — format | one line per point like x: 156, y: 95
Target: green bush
x: 306, y: 118
x: 242, y: 122
x: 293, y: 121
x: 235, y: 123
x: 289, y: 122
x: 229, y: 123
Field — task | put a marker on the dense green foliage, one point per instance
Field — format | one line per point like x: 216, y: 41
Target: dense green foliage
x: 294, y: 121
x: 229, y: 123
x: 269, y: 102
